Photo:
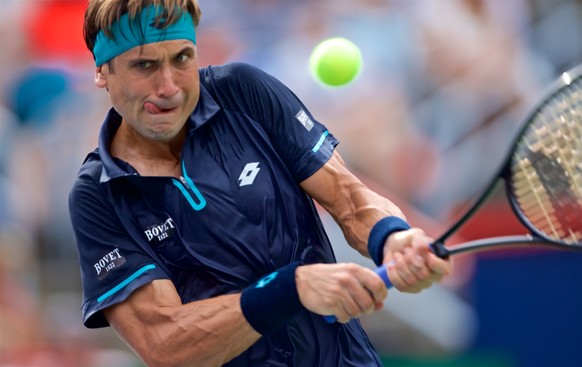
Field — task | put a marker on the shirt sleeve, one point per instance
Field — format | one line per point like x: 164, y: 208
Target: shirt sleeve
x: 301, y: 141
x: 112, y: 263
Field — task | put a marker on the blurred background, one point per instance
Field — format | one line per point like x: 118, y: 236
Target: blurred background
x: 444, y: 87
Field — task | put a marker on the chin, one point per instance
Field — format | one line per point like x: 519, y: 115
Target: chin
x: 167, y: 135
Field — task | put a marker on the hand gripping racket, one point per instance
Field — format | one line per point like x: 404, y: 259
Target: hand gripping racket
x: 542, y: 175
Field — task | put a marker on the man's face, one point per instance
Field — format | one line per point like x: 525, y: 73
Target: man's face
x: 154, y: 88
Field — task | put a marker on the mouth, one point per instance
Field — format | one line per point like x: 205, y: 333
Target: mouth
x: 156, y: 109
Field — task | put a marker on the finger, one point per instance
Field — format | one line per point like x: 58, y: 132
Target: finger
x: 434, y: 267
x: 373, y: 291
x: 358, y: 304
x: 418, y: 266
x: 342, y: 315
x: 367, y: 290
x: 394, y: 274
x: 420, y: 243
x: 350, y: 307
x: 339, y: 311
x: 403, y: 266
x: 374, y: 285
x: 354, y: 299
x: 439, y: 267
x: 378, y: 306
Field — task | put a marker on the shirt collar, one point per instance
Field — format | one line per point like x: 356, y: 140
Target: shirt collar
x: 205, y: 109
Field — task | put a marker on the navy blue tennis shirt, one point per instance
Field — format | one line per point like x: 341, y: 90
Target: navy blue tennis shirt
x: 236, y: 215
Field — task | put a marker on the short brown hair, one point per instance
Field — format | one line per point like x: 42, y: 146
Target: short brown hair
x: 101, y: 14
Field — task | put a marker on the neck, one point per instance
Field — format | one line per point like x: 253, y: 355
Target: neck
x: 149, y: 157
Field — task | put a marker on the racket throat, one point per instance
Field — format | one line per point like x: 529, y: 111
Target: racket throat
x: 440, y: 250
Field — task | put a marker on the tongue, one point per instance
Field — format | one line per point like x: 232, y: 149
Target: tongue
x: 151, y: 108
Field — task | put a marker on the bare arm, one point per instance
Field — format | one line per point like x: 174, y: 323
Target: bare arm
x: 411, y: 265
x: 354, y: 206
x: 164, y: 332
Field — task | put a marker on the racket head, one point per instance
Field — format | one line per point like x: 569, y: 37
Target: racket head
x: 543, y: 175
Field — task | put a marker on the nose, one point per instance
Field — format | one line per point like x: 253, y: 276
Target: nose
x: 167, y: 86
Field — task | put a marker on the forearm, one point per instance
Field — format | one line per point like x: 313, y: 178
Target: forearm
x: 207, y: 333
x: 203, y: 333
x: 353, y: 205
x: 366, y: 209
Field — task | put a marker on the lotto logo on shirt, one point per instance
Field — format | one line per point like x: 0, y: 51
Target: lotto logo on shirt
x: 159, y: 232
x: 108, y: 262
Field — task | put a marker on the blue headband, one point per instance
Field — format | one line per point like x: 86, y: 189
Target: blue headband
x: 142, y: 30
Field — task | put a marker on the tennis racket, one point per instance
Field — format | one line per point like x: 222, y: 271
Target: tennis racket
x: 542, y: 175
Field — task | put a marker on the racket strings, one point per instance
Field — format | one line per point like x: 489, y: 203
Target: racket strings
x: 546, y: 171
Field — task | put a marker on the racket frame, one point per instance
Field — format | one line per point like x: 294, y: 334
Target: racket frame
x: 536, y: 237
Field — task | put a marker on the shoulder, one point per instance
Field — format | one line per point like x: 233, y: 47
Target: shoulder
x: 91, y: 168
x: 238, y: 78
x: 88, y: 178
x: 231, y: 73
x: 241, y: 86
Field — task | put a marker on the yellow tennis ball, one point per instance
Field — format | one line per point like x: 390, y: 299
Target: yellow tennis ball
x: 336, y: 61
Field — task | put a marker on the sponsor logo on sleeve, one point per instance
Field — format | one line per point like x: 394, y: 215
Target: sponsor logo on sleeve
x: 302, y: 117
x: 107, y: 263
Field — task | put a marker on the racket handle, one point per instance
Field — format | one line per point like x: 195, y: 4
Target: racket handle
x: 382, y: 273
x: 330, y: 318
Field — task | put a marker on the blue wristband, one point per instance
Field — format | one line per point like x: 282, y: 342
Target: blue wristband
x: 380, y: 232
x: 272, y: 301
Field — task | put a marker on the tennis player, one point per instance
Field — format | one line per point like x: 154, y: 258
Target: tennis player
x: 198, y: 238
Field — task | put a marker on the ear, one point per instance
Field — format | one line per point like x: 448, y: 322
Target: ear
x: 100, y: 79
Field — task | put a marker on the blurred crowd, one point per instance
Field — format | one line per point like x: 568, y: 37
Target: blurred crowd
x: 443, y: 88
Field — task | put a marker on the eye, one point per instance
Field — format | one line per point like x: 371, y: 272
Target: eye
x: 181, y: 58
x: 143, y: 65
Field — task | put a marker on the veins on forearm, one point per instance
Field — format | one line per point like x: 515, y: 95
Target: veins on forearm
x: 365, y: 210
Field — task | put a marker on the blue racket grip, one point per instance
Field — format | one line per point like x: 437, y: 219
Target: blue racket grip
x: 383, y: 274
